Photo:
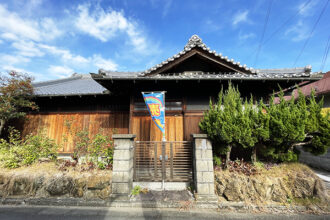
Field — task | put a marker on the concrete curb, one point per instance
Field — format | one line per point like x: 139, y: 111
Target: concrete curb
x: 138, y: 204
x: 103, y: 203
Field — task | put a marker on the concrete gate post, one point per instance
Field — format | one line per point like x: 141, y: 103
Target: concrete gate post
x: 122, y: 172
x: 203, y: 168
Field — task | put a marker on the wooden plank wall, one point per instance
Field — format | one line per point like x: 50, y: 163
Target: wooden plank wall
x: 56, y: 125
x: 146, y: 130
x: 191, y: 125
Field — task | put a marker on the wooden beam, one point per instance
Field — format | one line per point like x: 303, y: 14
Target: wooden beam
x: 173, y: 63
x: 219, y: 62
x: 131, y: 110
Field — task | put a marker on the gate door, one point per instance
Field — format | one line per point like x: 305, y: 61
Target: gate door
x: 156, y: 161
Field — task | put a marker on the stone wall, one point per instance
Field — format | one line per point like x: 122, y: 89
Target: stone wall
x: 281, y: 184
x: 84, y: 185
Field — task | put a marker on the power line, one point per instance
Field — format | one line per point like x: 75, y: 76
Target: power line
x: 310, y: 34
x: 284, y: 24
x: 325, y: 55
x: 287, y: 21
x: 263, y: 32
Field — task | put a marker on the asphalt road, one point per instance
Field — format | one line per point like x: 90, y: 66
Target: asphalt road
x: 82, y: 213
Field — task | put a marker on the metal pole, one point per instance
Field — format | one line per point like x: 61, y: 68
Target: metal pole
x: 155, y: 162
x: 163, y: 164
x: 171, y: 159
x: 163, y: 145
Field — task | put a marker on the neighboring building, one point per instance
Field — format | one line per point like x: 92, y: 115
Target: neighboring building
x: 321, y: 88
x: 112, y: 101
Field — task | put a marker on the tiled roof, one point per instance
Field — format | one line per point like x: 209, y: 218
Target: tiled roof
x: 194, y: 42
x: 263, y: 74
x: 298, y: 70
x: 77, y: 84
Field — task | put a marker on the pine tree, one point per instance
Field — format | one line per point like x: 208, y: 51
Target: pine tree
x: 228, y: 123
x: 275, y: 130
x: 317, y: 127
x: 260, y: 127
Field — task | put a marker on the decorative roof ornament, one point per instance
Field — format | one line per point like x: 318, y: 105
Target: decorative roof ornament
x: 193, y: 42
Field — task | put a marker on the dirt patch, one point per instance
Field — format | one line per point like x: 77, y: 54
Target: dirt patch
x: 44, y: 180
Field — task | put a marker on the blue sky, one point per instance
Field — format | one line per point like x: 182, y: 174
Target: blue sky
x: 53, y: 39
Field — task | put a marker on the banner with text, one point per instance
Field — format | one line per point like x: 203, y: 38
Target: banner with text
x: 155, y: 102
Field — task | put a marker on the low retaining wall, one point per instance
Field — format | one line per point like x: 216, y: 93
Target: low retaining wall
x: 284, y: 184
x: 86, y: 186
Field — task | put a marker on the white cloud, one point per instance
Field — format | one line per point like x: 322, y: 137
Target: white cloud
x: 246, y: 36
x: 306, y: 10
x: 167, y: 7
x: 27, y: 49
x: 16, y: 27
x: 102, y: 63
x: 240, y: 17
x: 30, y: 37
x: 8, y: 68
x: 298, y: 32
x: 12, y: 23
x: 6, y: 59
x: 49, y: 29
x: 65, y: 55
x: 69, y: 58
x: 210, y: 26
x: 105, y: 25
x: 9, y: 36
x: 60, y: 71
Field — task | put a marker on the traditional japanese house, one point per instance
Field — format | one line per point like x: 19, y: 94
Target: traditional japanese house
x: 112, y: 101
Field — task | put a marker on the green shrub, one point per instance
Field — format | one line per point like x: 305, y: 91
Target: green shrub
x: 17, y: 152
x: 108, y: 153
x: 259, y: 164
x: 136, y: 190
x: 82, y: 141
x: 217, y: 161
x: 95, y: 149
x: 274, y: 131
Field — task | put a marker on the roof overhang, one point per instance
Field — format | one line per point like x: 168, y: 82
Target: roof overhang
x: 205, y: 77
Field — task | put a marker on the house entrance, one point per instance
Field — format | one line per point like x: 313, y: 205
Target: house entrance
x: 156, y: 161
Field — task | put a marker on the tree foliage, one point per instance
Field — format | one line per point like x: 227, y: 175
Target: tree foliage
x: 228, y: 122
x: 16, y: 92
x: 274, y: 130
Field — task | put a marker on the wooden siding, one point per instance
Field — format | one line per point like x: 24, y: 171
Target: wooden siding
x: 56, y: 125
x: 146, y: 130
x: 191, y: 125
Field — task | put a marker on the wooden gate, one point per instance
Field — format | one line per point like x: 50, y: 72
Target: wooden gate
x: 146, y: 130
x: 169, y: 161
